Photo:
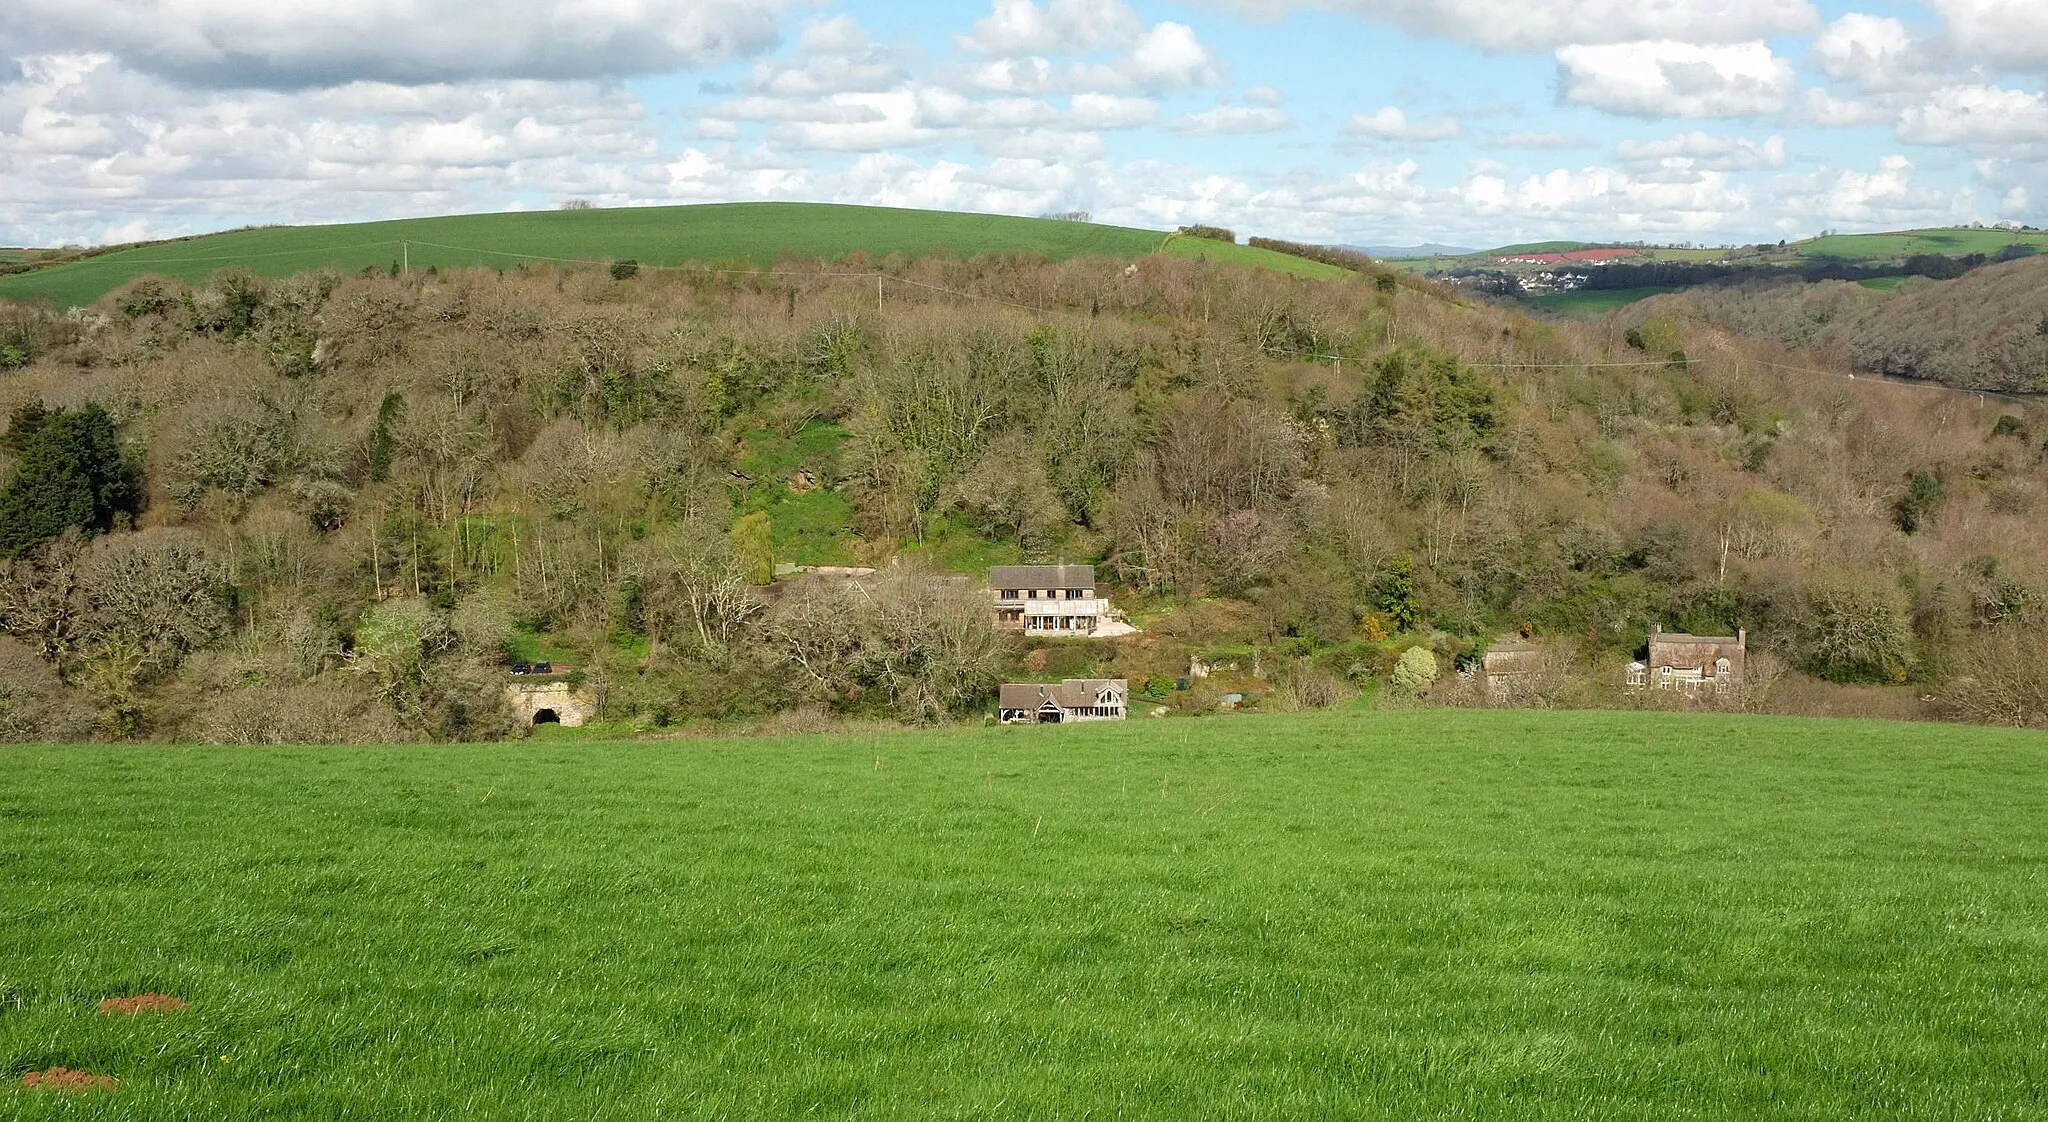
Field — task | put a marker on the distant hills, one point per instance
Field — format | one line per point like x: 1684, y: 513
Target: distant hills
x: 1407, y: 252
x: 741, y: 234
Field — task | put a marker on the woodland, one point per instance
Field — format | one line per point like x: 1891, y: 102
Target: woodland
x: 336, y: 508
x: 1986, y: 329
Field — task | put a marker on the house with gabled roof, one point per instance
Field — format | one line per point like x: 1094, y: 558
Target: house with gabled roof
x: 1691, y: 663
x: 1076, y: 699
x: 1058, y: 600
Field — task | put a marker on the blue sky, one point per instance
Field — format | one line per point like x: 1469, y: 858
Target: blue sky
x: 1362, y: 121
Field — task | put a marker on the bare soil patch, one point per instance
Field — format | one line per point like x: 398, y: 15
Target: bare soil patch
x: 65, y: 1079
x: 141, y: 1004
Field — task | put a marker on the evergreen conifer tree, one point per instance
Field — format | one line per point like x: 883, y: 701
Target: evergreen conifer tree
x: 70, y: 473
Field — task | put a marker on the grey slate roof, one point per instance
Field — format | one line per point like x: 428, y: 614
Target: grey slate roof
x: 1042, y: 576
x: 1074, y: 693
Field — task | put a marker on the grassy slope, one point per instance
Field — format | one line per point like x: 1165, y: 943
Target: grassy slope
x: 1442, y: 914
x: 1954, y: 242
x: 1595, y: 303
x: 756, y: 233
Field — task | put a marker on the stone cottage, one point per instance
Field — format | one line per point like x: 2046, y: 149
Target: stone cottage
x: 1691, y: 663
x: 1512, y: 666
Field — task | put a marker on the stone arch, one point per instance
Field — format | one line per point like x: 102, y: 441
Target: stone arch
x: 528, y: 701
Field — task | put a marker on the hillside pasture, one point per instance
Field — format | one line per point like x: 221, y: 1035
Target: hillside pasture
x: 1949, y: 242
x: 731, y: 234
x: 1594, y: 303
x: 1397, y: 915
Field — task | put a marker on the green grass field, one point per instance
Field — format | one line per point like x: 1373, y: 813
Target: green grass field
x: 1594, y: 304
x: 1376, y: 915
x: 754, y: 233
x: 1953, y: 242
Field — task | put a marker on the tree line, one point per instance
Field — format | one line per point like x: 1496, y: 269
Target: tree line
x: 336, y: 507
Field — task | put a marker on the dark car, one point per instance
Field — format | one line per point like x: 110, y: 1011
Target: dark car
x: 521, y: 668
x: 543, y: 668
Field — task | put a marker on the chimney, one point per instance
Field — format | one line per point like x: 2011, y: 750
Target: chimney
x: 1741, y: 638
x: 1656, y: 629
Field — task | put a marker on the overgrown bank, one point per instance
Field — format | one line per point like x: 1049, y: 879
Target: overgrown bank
x: 336, y: 507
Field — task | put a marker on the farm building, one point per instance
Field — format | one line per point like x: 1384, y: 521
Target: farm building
x: 1076, y: 699
x: 1048, y: 599
x: 1692, y: 663
x: 1511, y: 666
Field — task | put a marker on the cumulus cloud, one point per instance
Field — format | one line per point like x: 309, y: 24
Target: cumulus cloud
x: 1542, y: 25
x: 1392, y: 126
x: 90, y: 146
x: 1239, y: 119
x: 1885, y: 198
x: 233, y: 44
x: 1109, y: 111
x: 2013, y: 32
x: 1865, y: 49
x: 1019, y: 27
x: 1704, y: 151
x: 1665, y: 78
x: 1823, y: 108
x: 1166, y: 57
x: 1976, y: 116
x: 1537, y: 141
x: 832, y: 56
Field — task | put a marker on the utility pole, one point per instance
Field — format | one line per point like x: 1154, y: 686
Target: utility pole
x: 878, y: 294
x: 405, y: 257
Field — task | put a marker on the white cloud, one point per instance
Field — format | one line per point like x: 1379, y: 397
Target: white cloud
x: 1108, y: 111
x: 1263, y: 95
x: 1166, y: 56
x: 94, y: 146
x: 1538, y: 141
x: 1169, y: 56
x: 267, y: 44
x: 1017, y: 28
x: 1236, y: 119
x: 1874, y: 52
x: 1391, y: 125
x: 1665, y: 78
x: 1541, y: 25
x: 832, y: 56
x: 1886, y: 198
x: 1977, y: 115
x: 2014, y: 32
x: 1825, y: 109
x: 1704, y: 151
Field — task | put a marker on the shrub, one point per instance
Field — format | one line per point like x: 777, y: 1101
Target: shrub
x: 753, y: 547
x: 1213, y: 233
x: 1415, y: 673
x: 1921, y: 502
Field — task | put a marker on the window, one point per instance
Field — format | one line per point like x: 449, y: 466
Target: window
x: 1009, y: 594
x: 1033, y: 594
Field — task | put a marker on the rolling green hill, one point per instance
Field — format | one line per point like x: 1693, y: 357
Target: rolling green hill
x: 754, y: 233
x: 1389, y: 915
x: 1947, y: 242
x: 1534, y: 247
